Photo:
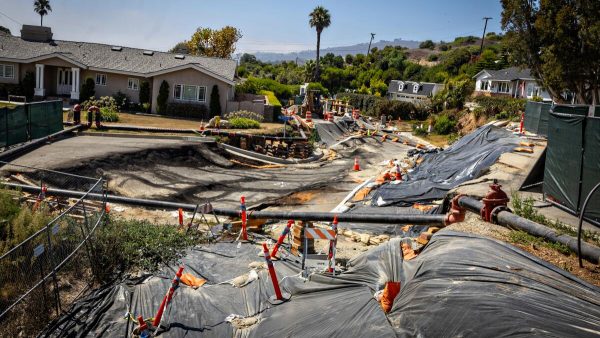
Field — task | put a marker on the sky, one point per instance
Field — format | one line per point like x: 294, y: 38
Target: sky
x: 266, y: 25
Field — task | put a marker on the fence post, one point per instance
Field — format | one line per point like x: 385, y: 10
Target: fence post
x: 52, y: 263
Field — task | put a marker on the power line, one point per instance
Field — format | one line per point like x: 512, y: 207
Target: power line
x: 13, y: 20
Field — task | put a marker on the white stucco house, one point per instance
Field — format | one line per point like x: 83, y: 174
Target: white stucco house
x: 414, y: 92
x: 61, y: 67
x: 509, y: 82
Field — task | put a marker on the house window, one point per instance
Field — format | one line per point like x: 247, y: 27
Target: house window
x: 101, y: 79
x: 7, y: 71
x: 415, y: 88
x: 133, y: 84
x: 190, y: 93
x: 401, y: 86
x: 503, y: 87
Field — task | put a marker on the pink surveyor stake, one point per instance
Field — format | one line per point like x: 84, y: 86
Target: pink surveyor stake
x: 332, y: 245
x: 244, y: 218
x: 279, y: 297
x: 281, y: 238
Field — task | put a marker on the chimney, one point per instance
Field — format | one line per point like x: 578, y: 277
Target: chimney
x: 36, y: 33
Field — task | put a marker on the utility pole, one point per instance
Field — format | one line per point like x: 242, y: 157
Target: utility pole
x: 369, y: 50
x: 483, y: 36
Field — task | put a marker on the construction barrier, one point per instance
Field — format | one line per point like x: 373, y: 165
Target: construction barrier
x: 279, y: 296
x: 167, y: 299
x: 572, y: 168
x: 244, y: 218
x: 316, y: 233
x: 29, y: 121
x: 536, y: 117
x: 332, y: 246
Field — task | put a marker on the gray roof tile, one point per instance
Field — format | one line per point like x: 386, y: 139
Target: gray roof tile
x: 101, y: 56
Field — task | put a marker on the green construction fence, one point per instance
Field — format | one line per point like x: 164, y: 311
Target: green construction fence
x: 536, y: 117
x: 572, y: 165
x: 29, y: 121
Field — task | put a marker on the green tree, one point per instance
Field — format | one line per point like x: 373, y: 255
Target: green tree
x: 180, y: 48
x: 427, y: 44
x: 144, y: 95
x: 215, y: 102
x: 42, y: 7
x: 214, y: 42
x: 319, y: 19
x: 87, y: 89
x: 558, y: 41
x: 163, y: 97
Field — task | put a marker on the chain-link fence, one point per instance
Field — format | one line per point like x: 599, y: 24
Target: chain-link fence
x: 45, y: 273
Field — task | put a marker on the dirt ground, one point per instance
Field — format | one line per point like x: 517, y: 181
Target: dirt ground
x: 175, y: 123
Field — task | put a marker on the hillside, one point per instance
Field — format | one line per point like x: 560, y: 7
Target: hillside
x: 342, y: 51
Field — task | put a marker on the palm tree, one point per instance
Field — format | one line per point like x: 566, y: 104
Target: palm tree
x: 42, y: 7
x: 319, y: 19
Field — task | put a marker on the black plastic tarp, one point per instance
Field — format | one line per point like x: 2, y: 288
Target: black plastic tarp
x: 562, y: 171
x: 439, y: 172
x: 591, y: 168
x: 329, y: 132
x: 460, y: 285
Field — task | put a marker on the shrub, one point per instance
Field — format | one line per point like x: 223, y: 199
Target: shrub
x: 109, y: 115
x: 433, y: 57
x: 444, y: 125
x: 254, y: 85
x: 87, y: 89
x: 397, y: 109
x: 245, y: 114
x: 427, y: 44
x: 103, y: 102
x: 418, y: 130
x: 125, y: 244
x: 490, y: 106
x: 243, y: 123
x: 163, y: 96
x: 144, y: 95
x: 146, y: 106
x: 215, y: 102
x: 122, y: 100
x: 271, y: 97
x: 187, y: 110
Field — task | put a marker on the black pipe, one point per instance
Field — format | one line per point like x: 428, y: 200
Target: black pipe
x: 279, y: 215
x: 30, y: 145
x: 508, y: 219
x: 585, y: 203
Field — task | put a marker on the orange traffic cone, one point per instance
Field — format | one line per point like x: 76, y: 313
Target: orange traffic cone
x: 398, y: 173
x: 356, y: 165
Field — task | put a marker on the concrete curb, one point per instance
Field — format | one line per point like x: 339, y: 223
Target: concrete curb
x: 162, y: 137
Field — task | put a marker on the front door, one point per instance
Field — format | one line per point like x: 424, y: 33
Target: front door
x: 64, y: 78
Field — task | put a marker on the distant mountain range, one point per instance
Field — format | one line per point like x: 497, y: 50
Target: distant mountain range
x: 343, y: 51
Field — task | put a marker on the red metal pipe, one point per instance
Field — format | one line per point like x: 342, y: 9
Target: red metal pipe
x: 272, y: 273
x: 281, y: 238
x: 167, y: 299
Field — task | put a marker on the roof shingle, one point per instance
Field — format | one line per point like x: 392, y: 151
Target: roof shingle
x: 101, y: 56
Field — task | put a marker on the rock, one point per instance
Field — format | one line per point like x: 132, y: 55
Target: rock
x: 356, y: 237
x: 348, y: 233
x: 364, y: 238
x: 375, y: 241
x: 257, y: 265
x: 384, y: 238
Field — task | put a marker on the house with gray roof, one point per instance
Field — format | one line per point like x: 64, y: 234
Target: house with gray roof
x: 60, y: 67
x: 510, y: 82
x: 418, y: 93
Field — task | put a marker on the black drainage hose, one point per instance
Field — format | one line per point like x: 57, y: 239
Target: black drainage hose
x: 587, y: 199
x: 508, y: 219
